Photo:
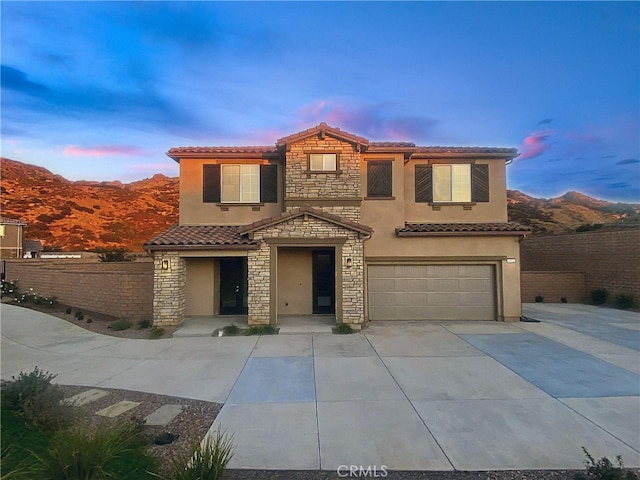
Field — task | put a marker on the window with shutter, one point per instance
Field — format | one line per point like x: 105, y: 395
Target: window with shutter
x: 211, y: 183
x: 379, y: 179
x: 424, y: 183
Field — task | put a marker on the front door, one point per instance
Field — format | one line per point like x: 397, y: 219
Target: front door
x: 233, y: 286
x: 324, y: 281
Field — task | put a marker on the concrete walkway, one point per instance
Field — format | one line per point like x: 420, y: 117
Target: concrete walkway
x: 410, y: 396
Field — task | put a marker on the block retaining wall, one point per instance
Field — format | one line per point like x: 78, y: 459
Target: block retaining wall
x: 120, y: 289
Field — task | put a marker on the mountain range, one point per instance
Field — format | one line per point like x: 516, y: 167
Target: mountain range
x: 85, y: 215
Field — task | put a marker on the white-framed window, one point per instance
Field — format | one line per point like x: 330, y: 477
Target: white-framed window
x: 452, y: 183
x: 240, y: 184
x: 2, y: 231
x: 323, y: 162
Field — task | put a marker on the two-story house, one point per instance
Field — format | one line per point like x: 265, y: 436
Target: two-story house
x: 327, y: 222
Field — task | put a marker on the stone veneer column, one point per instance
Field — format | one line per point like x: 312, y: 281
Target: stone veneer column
x: 169, y: 289
x: 259, y: 283
x: 353, y: 282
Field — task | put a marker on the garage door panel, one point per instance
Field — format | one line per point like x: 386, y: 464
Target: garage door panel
x: 432, y: 292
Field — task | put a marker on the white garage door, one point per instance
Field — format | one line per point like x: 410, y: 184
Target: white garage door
x: 432, y: 292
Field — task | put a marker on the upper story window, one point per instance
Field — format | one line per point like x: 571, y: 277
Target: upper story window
x: 379, y: 178
x: 323, y: 162
x: 452, y: 183
x: 240, y: 183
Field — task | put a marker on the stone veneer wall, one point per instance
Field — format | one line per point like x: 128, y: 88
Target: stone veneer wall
x: 259, y: 265
x: 343, y: 184
x: 169, y: 296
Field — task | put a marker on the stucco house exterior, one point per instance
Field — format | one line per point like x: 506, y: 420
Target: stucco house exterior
x: 326, y: 222
x: 11, y: 237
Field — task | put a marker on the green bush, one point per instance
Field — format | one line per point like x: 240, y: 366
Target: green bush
x: 261, y: 330
x: 209, y: 459
x: 156, y: 332
x: 231, y: 330
x: 121, y: 324
x: 343, y: 328
x: 114, y: 255
x: 80, y: 455
x: 144, y: 323
x: 79, y: 315
x: 599, y: 296
x: 539, y: 299
x: 8, y: 287
x: 624, y: 301
x: 33, y: 396
x: 68, y: 311
x: 604, y: 469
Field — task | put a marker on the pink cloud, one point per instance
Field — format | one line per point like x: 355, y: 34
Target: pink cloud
x: 101, y: 150
x: 535, y: 144
x: 375, y: 121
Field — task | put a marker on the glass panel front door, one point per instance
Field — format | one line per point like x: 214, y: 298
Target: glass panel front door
x: 324, y: 278
x: 233, y: 286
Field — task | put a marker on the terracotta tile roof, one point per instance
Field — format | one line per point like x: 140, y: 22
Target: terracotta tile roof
x: 12, y: 221
x: 260, y: 150
x: 448, y: 229
x: 435, y: 149
x: 296, y: 212
x: 186, y: 237
x: 322, y: 127
x: 374, y: 145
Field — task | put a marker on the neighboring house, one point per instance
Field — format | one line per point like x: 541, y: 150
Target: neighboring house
x: 327, y: 222
x: 32, y: 248
x: 11, y: 237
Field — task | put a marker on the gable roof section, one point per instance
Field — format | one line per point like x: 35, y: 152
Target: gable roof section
x: 206, y: 237
x: 456, y: 229
x: 298, y: 212
x: 323, y: 129
x: 12, y: 221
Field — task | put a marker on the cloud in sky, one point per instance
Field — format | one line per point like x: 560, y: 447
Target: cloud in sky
x: 14, y: 79
x: 628, y: 161
x: 377, y: 121
x: 535, y: 144
x: 102, y: 150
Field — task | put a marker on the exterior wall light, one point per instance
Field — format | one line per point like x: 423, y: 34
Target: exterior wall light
x: 165, y: 264
x: 349, y: 262
x: 511, y: 260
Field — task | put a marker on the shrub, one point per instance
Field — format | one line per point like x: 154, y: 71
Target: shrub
x: 603, y: 469
x: 343, y: 328
x: 156, y: 332
x: 260, y: 330
x: 539, y: 298
x: 624, y: 301
x: 231, y: 330
x: 78, y: 454
x: 114, y: 255
x: 144, y: 323
x: 121, y: 324
x: 564, y: 299
x: 7, y: 287
x: 34, y: 397
x: 68, y: 311
x: 599, y: 296
x: 79, y: 315
x: 209, y: 459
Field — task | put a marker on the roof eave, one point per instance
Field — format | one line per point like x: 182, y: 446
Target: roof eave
x: 464, y: 234
x: 198, y: 247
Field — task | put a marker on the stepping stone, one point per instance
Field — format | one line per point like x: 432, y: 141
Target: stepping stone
x: 85, y: 397
x: 117, y: 409
x: 164, y: 415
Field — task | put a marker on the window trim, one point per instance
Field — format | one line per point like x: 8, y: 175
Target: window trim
x: 310, y: 171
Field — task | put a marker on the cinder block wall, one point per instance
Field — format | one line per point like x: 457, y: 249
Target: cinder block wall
x: 121, y: 289
x: 553, y: 286
x: 608, y: 259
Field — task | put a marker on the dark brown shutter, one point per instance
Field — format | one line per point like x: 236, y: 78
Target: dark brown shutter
x: 211, y: 183
x: 269, y: 183
x: 424, y: 184
x: 379, y: 179
x: 480, y: 182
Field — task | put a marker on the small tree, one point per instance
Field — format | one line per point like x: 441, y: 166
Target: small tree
x: 114, y: 255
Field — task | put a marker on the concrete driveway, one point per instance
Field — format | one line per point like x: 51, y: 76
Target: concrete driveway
x: 409, y: 396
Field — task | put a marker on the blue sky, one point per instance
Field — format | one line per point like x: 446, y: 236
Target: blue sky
x: 100, y: 90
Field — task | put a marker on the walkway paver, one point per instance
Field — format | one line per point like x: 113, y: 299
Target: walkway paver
x: 117, y: 409
x: 407, y: 395
x: 163, y: 415
x: 85, y: 397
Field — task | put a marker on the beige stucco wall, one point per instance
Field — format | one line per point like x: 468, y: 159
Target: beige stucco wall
x: 465, y: 250
x: 11, y: 242
x: 201, y: 291
x: 193, y: 211
x: 295, y: 281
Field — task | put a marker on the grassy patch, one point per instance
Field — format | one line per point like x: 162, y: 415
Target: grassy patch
x: 209, y: 460
x: 343, y: 329
x: 121, y: 324
x: 156, y: 332
x: 261, y: 330
x: 231, y: 330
